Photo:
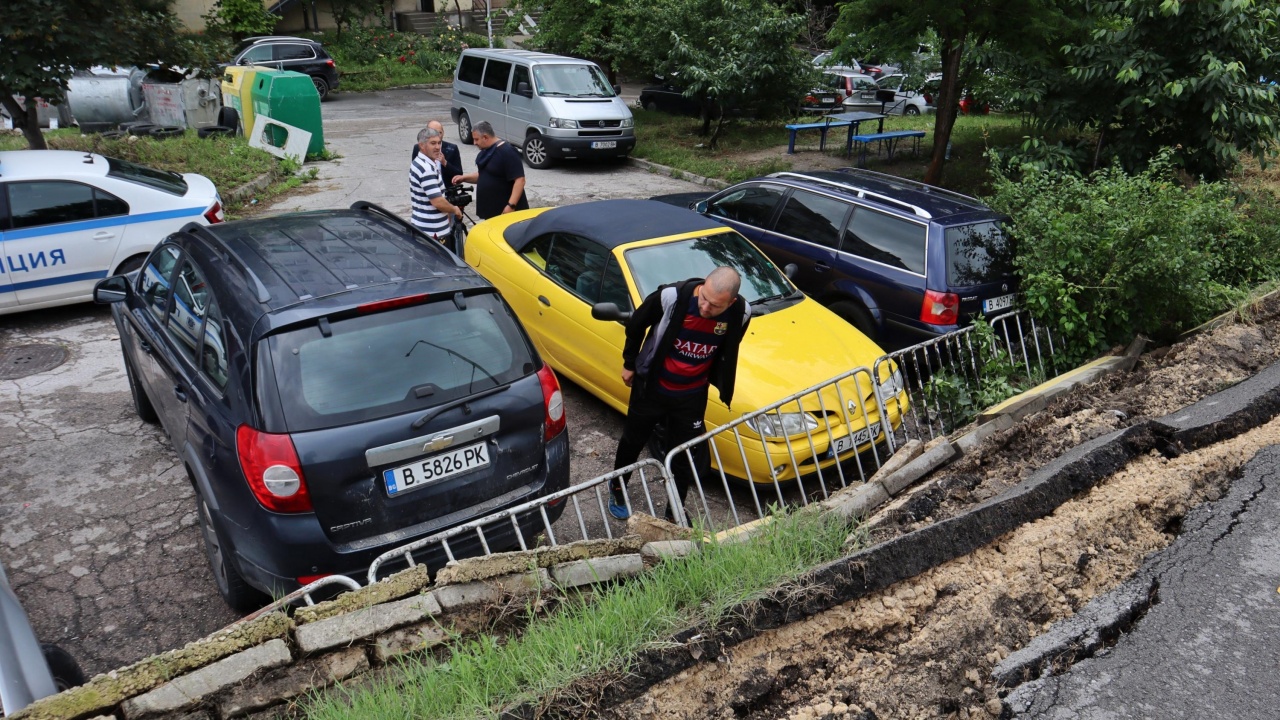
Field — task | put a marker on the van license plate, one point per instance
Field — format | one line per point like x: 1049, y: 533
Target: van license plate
x: 859, y: 437
x: 998, y: 303
x: 435, y: 468
x: 604, y: 144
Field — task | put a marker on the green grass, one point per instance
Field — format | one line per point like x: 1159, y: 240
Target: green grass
x: 748, y: 148
x: 385, y: 73
x: 586, y: 637
x: 228, y: 161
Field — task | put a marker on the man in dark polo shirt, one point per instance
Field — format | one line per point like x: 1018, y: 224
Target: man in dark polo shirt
x: 682, y: 339
x: 499, y: 175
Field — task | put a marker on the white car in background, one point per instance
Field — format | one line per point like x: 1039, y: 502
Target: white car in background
x: 69, y: 219
x: 893, y: 95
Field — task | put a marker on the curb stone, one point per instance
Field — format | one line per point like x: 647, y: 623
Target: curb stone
x: 679, y: 174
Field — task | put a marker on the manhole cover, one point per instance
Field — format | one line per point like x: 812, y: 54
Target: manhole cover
x: 24, y: 360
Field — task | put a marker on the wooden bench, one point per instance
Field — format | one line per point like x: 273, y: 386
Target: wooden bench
x: 822, y: 127
x: 886, y: 140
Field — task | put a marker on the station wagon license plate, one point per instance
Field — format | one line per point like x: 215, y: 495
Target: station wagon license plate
x: 998, y: 303
x: 435, y: 468
x: 859, y: 437
x: 604, y: 144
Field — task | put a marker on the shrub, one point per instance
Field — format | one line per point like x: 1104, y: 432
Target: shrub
x: 1105, y: 257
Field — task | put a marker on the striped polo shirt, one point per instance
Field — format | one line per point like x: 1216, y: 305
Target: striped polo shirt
x: 424, y: 184
x: 687, y: 367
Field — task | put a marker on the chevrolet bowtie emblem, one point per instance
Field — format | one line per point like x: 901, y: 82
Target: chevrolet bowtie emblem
x: 437, y: 443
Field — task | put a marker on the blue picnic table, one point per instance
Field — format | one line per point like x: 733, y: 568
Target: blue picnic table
x: 849, y: 120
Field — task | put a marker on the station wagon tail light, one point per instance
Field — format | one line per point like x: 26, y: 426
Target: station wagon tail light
x: 214, y: 214
x: 270, y: 465
x: 553, y: 400
x: 392, y: 304
x: 940, y: 308
x: 329, y: 62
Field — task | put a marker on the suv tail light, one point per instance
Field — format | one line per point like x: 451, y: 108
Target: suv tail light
x: 214, y: 214
x: 940, y: 308
x: 553, y: 401
x: 270, y: 465
x: 329, y: 62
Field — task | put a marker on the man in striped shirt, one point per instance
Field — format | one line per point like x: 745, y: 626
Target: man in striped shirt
x: 682, y: 339
x: 432, y: 213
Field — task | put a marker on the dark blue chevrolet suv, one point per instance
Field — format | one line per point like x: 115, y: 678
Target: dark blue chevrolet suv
x: 900, y: 260
x: 336, y: 385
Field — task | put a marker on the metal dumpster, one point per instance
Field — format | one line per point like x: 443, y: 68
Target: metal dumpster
x: 189, y: 103
x: 290, y: 98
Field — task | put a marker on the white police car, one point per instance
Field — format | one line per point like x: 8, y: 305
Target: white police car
x: 68, y: 219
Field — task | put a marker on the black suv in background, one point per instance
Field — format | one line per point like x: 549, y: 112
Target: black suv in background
x: 337, y: 385
x: 290, y: 53
x: 900, y: 260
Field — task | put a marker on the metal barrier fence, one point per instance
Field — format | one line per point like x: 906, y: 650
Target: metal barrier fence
x: 794, y: 451
x: 816, y: 441
x: 944, y: 372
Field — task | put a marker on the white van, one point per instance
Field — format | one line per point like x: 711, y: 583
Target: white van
x: 551, y: 106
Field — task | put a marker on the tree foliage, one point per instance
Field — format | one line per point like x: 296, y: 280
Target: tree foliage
x: 43, y: 41
x: 886, y: 30
x: 238, y: 19
x: 1145, y: 75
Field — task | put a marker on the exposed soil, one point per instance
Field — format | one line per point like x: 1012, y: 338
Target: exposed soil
x: 925, y: 648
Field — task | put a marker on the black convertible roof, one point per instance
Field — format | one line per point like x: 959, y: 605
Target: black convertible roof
x: 611, y: 222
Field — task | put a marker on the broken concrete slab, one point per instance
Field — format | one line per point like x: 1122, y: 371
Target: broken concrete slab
x: 290, y: 682
x: 597, y: 570
x: 365, y: 623
x: 187, y: 690
x: 1227, y: 413
x: 924, y: 464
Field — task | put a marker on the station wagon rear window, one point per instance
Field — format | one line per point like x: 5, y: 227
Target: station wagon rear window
x: 396, y: 361
x: 169, y: 182
x: 977, y: 254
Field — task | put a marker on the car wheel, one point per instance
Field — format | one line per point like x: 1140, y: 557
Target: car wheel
x: 65, y: 670
x: 141, y: 403
x: 855, y: 315
x: 535, y: 152
x: 464, y: 128
x: 911, y: 110
x: 651, y: 106
x: 322, y: 87
x: 238, y: 595
x: 131, y: 264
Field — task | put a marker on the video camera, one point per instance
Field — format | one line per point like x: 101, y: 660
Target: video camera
x: 458, y: 195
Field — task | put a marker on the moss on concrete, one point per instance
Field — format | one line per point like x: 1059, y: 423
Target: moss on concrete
x: 491, y: 566
x: 101, y: 694
x: 401, y: 585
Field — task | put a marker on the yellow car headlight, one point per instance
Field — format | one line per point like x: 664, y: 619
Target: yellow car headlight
x: 780, y: 425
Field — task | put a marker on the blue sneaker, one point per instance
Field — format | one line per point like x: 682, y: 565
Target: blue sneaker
x: 619, y: 511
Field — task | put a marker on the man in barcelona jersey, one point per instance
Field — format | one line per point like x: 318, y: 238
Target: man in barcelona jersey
x: 682, y: 339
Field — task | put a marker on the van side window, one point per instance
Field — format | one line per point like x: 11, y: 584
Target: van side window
x: 886, y: 239
x: 521, y: 76
x: 496, y: 74
x: 471, y: 69
x: 813, y: 217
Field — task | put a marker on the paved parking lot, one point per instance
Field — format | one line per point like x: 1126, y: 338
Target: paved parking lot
x: 97, y: 519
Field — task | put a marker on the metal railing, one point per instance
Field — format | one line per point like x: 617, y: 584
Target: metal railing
x: 815, y: 441
x: 959, y: 358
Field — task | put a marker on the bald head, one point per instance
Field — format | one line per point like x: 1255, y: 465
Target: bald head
x: 725, y: 280
x: 437, y: 126
x: 718, y: 291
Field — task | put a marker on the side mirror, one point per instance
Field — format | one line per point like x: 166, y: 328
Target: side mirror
x: 790, y: 270
x: 245, y: 61
x: 609, y: 311
x: 700, y: 207
x: 617, y: 89
x: 111, y: 290
x: 522, y: 88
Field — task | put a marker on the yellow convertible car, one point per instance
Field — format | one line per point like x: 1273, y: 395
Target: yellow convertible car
x: 554, y: 265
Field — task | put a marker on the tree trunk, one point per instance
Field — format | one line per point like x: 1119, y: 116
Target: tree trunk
x: 25, y: 119
x: 948, y: 106
x: 715, y: 136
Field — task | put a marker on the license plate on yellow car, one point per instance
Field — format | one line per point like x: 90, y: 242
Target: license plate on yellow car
x: 858, y: 437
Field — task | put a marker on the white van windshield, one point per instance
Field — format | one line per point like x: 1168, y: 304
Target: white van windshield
x: 571, y: 81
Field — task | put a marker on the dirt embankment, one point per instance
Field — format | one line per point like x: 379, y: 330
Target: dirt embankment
x: 925, y: 648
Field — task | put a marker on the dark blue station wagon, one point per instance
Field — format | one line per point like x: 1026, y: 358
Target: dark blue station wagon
x: 336, y: 385
x: 900, y: 260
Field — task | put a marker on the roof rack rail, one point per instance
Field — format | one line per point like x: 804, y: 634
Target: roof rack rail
x: 379, y: 210
x: 860, y: 192
x: 205, y: 234
x: 916, y: 184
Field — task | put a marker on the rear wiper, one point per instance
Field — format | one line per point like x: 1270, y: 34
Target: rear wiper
x: 460, y: 401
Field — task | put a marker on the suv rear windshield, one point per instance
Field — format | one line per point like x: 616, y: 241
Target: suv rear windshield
x: 169, y: 182
x: 978, y: 253
x: 396, y: 361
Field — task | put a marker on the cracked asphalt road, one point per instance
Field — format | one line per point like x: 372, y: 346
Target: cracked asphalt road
x: 97, y: 520
x: 1208, y: 646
